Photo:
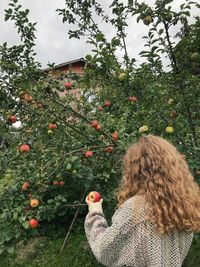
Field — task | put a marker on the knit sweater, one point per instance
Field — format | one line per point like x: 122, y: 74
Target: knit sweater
x: 131, y: 241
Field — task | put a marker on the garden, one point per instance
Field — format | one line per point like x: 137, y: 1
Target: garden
x: 68, y: 146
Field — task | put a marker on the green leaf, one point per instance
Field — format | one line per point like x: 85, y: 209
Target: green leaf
x: 2, y: 249
x: 99, y: 37
x: 8, y: 236
x: 69, y: 166
x: 25, y: 224
x: 11, y: 249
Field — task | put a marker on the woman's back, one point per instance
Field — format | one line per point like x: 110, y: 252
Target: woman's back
x: 131, y: 241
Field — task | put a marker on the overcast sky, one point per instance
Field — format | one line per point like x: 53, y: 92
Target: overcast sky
x: 53, y: 45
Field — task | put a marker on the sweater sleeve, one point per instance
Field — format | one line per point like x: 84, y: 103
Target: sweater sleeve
x: 109, y: 244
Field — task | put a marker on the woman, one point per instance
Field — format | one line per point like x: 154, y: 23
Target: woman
x: 159, y: 210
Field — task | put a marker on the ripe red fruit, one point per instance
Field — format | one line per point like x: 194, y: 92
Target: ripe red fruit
x: 109, y: 149
x: 98, y: 127
x: 173, y: 114
x: 28, y: 98
x: 94, y: 196
x: 107, y: 104
x: 24, y: 148
x: 33, y: 223
x: 62, y: 183
x: 25, y: 186
x: 115, y: 136
x: 68, y: 85
x: 132, y: 98
x: 52, y: 126
x: 94, y: 123
x: 12, y: 118
x: 89, y: 154
x: 34, y: 203
x: 100, y: 109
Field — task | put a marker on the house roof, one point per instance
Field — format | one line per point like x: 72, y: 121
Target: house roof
x: 66, y: 64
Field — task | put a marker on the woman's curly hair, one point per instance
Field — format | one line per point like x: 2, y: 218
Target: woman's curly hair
x: 154, y: 167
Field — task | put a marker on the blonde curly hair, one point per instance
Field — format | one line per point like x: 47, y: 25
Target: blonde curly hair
x: 154, y: 167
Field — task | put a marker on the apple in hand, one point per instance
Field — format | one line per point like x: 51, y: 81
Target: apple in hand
x: 93, y: 196
x: 33, y: 223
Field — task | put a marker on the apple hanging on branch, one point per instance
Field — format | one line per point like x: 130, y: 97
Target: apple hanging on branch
x: 24, y: 148
x: 107, y: 104
x: 25, y: 186
x: 68, y: 85
x: 115, y: 136
x: 34, y: 203
x: 52, y: 126
x: 12, y: 118
x: 89, y: 154
x: 33, y: 223
x: 109, y: 149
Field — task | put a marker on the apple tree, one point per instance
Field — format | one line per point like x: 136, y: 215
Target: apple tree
x: 66, y: 147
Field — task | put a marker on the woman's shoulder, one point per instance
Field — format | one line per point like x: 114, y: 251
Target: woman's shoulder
x: 134, y: 208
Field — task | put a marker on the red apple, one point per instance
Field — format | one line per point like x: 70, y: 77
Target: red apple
x: 28, y: 98
x: 173, y: 114
x: 33, y: 223
x: 52, y: 126
x: 62, y: 183
x: 115, y: 136
x: 25, y: 186
x: 89, y: 154
x: 98, y: 127
x: 132, y: 98
x: 24, y: 148
x: 94, y: 123
x: 68, y: 85
x: 93, y: 196
x: 107, y: 104
x: 109, y: 149
x: 12, y: 118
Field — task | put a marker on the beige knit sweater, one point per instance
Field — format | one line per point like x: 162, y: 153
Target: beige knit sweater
x: 131, y: 241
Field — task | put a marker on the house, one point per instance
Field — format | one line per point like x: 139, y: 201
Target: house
x: 70, y: 67
x: 75, y: 66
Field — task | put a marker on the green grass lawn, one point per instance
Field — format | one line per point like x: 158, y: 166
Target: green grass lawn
x: 44, y: 251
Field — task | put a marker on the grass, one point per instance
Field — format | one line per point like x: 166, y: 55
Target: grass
x: 44, y: 251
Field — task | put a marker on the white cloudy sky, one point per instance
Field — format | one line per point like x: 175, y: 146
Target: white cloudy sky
x: 53, y: 45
